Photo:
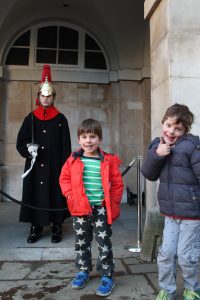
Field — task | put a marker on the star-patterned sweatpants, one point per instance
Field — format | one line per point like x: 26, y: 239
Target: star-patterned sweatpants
x: 84, y: 228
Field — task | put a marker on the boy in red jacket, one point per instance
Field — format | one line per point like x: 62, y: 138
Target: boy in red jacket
x: 92, y: 184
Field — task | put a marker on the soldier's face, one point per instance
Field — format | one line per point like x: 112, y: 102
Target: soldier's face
x: 46, y: 101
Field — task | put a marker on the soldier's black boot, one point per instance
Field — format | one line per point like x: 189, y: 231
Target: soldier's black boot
x: 35, y: 233
x: 56, y: 235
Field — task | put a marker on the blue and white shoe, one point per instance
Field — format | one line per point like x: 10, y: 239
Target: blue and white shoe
x: 80, y: 280
x: 106, y: 286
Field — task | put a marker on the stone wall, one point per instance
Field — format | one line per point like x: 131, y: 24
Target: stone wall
x: 122, y: 108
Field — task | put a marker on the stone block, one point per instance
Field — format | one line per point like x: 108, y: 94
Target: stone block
x: 10, y: 156
x: 11, y: 181
x: 184, y: 16
x: 152, y: 235
x: 160, y: 62
x: 185, y: 52
x: 161, y: 17
x: 15, y: 271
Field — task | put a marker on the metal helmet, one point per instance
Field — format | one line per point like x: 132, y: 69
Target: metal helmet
x: 46, y: 87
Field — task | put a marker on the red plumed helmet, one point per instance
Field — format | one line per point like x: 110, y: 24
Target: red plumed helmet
x: 46, y: 87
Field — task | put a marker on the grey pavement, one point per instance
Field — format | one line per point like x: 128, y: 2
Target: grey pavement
x: 44, y: 270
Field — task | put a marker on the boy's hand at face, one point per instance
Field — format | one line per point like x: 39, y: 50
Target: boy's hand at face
x: 163, y: 149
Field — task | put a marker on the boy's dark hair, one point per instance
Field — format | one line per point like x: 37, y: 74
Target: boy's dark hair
x: 90, y: 126
x: 182, y: 114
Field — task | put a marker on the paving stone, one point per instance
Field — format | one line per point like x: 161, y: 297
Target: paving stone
x: 53, y: 270
x: 58, y: 253
x: 21, y: 254
x: 126, y: 288
x: 35, y: 289
x: 143, y: 268
x: 14, y: 271
x: 44, y: 270
x: 131, y: 260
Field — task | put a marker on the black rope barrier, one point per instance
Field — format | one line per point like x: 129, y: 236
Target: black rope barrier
x: 52, y: 209
x: 30, y: 206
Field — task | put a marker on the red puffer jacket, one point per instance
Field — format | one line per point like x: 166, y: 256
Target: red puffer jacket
x: 72, y: 186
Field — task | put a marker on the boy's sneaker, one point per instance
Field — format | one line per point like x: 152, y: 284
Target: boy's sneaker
x: 106, y: 286
x: 163, y: 295
x: 80, y: 280
x: 191, y: 295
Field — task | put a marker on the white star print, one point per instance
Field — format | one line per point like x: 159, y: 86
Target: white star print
x: 99, y: 223
x: 103, y: 256
x: 79, y: 231
x: 81, y: 242
x: 102, y: 234
x: 101, y: 211
x: 80, y: 220
x: 106, y: 266
x: 104, y: 248
x: 81, y: 262
x: 79, y: 252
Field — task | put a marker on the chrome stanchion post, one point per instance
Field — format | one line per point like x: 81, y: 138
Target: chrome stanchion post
x: 139, y: 210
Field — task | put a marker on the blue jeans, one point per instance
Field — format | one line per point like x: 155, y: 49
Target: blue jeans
x: 181, y: 240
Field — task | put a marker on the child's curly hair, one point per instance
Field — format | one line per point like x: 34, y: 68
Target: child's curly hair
x: 182, y: 113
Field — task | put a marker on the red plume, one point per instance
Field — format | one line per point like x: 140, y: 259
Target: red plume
x: 46, y: 73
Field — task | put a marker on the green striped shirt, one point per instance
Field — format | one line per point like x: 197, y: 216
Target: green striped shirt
x: 92, y: 180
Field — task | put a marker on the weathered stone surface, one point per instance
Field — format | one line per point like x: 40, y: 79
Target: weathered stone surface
x: 152, y: 235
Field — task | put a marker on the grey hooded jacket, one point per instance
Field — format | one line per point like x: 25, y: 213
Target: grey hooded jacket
x: 179, y: 175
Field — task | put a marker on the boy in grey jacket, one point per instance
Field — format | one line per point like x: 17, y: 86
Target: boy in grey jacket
x: 174, y: 159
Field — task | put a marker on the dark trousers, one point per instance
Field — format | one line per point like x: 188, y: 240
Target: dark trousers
x: 84, y: 228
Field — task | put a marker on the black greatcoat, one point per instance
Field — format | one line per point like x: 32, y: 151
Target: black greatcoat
x: 41, y: 186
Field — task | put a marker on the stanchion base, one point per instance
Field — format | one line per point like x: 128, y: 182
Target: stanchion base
x: 135, y: 250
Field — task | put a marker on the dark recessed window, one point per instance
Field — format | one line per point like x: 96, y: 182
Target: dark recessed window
x: 23, y: 40
x: 17, y: 56
x: 91, y: 44
x: 54, y: 45
x: 95, y: 60
x: 68, y: 38
x: 94, y: 57
x: 57, y: 45
x: 47, y: 37
x: 19, y: 52
x: 46, y: 56
x: 68, y: 58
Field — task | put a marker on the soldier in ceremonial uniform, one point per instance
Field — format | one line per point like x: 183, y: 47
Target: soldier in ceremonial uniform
x: 45, y: 138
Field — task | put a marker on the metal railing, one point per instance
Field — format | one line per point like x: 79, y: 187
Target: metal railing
x: 137, y: 248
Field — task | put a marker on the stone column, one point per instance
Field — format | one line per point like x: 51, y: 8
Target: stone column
x: 175, y: 74
x: 175, y: 59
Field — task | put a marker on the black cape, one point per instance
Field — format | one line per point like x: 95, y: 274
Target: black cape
x: 41, y: 186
